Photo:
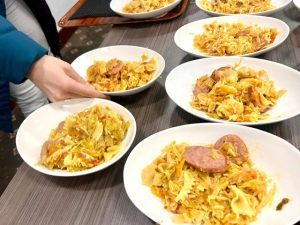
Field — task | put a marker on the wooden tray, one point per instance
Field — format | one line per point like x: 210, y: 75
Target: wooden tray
x: 65, y: 21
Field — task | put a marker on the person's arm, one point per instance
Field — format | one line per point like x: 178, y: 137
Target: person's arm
x: 17, y: 53
x: 21, y: 57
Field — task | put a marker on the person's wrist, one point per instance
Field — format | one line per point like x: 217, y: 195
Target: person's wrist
x: 36, y: 66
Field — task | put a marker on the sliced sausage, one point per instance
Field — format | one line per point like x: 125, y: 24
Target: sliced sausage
x: 239, y: 4
x: 202, y: 85
x: 60, y: 126
x: 254, y: 96
x: 239, y: 145
x: 244, y: 32
x: 198, y: 90
x: 45, y: 147
x: 217, y: 74
x: 114, y: 67
x: 205, y: 159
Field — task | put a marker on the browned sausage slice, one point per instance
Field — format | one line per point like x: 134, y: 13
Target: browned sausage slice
x: 217, y: 74
x: 239, y: 145
x: 60, y: 126
x: 205, y: 159
x: 115, y: 66
x: 45, y: 147
x: 202, y: 85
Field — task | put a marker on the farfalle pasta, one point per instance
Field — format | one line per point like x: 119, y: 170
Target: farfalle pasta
x: 235, y: 196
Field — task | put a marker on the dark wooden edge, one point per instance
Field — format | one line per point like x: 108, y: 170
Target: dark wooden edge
x: 65, y: 21
x: 65, y: 34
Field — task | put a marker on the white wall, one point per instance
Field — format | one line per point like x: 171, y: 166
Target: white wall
x: 59, y: 8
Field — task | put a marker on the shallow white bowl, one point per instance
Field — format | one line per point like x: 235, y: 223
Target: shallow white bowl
x: 273, y: 155
x: 278, y: 5
x: 181, y: 80
x: 117, y: 7
x: 184, y: 36
x: 35, y: 129
x: 297, y: 3
x: 124, y: 53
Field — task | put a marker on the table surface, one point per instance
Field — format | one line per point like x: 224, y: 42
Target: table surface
x: 100, y: 198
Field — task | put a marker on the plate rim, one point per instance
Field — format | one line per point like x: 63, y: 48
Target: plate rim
x: 145, y: 15
x: 266, y: 13
x: 90, y: 170
x: 297, y: 4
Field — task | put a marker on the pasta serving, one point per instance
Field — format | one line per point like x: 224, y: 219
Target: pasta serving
x: 228, y: 39
x: 234, y: 196
x: 236, y: 94
x: 116, y: 75
x: 140, y: 6
x: 236, y: 6
x: 85, y: 140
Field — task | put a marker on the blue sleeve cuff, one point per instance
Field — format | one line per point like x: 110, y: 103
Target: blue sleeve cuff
x: 18, y: 53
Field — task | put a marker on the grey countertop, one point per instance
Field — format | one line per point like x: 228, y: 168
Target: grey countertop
x: 100, y: 198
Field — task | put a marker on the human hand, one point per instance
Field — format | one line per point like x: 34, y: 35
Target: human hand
x: 59, y: 81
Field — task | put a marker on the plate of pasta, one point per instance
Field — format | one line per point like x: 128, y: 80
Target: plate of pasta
x: 75, y: 137
x: 143, y: 9
x: 120, y: 70
x: 239, y: 35
x: 228, y: 7
x: 212, y: 173
x: 245, y: 91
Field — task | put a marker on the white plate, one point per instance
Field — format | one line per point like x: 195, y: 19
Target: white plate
x: 35, y: 129
x: 181, y: 80
x: 117, y: 7
x: 273, y: 155
x: 278, y: 5
x: 184, y: 36
x: 124, y: 53
x: 297, y: 3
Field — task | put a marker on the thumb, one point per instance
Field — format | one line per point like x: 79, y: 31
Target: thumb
x: 85, y: 90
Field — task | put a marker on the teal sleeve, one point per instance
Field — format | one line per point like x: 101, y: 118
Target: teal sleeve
x: 17, y: 53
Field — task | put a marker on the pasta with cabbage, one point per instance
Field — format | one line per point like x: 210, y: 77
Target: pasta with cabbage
x: 239, y: 94
x: 116, y: 75
x: 236, y: 6
x: 229, y: 39
x: 235, y: 196
x: 85, y: 140
x: 140, y: 6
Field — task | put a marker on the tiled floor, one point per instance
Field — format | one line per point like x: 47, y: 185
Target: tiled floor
x: 83, y: 40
